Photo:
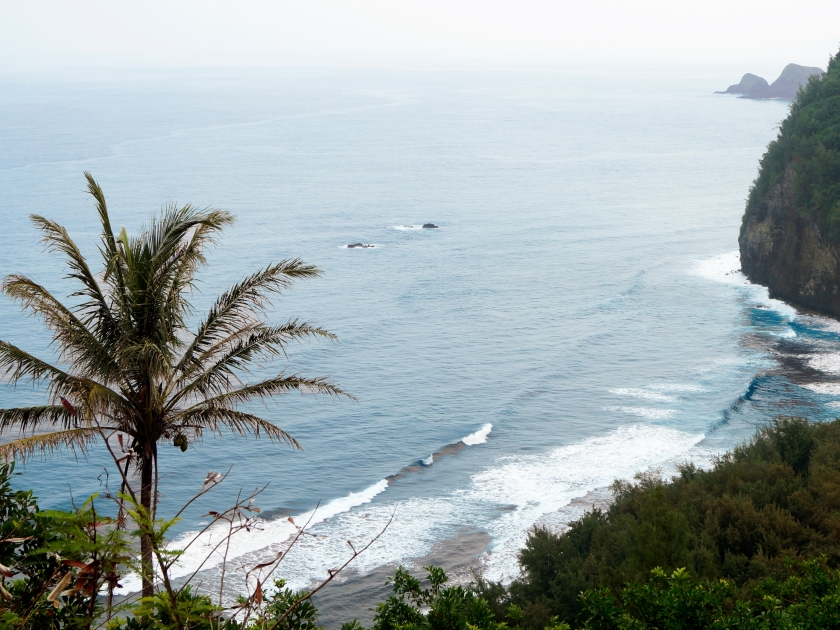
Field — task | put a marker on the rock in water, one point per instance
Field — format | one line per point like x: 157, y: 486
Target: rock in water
x: 361, y: 245
x: 749, y: 84
x: 786, y: 86
x: 792, y: 78
x: 790, y: 235
x: 429, y: 225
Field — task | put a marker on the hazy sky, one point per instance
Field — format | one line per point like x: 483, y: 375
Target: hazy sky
x: 761, y: 35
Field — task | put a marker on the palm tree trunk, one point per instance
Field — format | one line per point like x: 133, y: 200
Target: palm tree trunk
x: 146, y: 554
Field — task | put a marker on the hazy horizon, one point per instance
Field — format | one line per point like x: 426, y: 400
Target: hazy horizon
x: 758, y: 37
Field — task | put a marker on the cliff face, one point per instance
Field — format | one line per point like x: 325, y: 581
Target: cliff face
x: 788, y: 253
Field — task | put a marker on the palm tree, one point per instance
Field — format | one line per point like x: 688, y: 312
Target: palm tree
x: 131, y: 365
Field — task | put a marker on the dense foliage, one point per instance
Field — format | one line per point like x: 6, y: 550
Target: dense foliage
x: 767, y: 502
x: 58, y: 561
x: 807, y: 598
x: 809, y: 143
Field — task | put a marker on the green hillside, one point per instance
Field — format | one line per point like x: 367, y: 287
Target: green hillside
x: 809, y: 142
x: 774, y: 500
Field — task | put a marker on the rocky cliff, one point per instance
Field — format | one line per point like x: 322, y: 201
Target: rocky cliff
x: 789, y: 253
x: 790, y: 235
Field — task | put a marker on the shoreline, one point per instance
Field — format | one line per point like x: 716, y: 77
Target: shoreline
x: 353, y: 595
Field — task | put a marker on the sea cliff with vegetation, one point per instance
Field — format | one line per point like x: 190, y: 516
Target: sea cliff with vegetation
x: 790, y: 235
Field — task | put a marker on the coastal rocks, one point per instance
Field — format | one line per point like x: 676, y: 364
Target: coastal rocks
x: 429, y: 225
x: 785, y: 87
x: 788, y: 253
x: 749, y: 84
x: 360, y: 246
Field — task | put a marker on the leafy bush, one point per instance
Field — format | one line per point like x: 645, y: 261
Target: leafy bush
x: 808, y: 598
x: 774, y: 499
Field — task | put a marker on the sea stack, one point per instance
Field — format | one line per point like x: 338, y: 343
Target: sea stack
x: 785, y: 87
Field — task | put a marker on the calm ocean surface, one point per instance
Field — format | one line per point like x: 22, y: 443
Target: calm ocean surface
x: 577, y: 317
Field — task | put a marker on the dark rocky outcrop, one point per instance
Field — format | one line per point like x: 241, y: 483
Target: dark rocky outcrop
x: 429, y: 225
x: 360, y: 245
x: 785, y: 87
x: 789, y: 253
x: 790, y: 235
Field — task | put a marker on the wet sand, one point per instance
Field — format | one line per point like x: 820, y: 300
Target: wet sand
x: 353, y: 595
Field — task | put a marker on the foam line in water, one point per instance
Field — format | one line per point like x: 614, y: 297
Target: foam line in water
x: 726, y: 268
x: 479, y: 437
x: 829, y: 389
x: 528, y: 487
x: 643, y: 412
x: 266, y: 534
x: 643, y: 394
x: 676, y: 387
x: 828, y: 363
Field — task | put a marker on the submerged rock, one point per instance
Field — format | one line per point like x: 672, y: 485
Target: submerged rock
x: 360, y: 245
x: 429, y: 225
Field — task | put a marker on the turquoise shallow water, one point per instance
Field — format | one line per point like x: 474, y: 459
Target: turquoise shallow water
x: 581, y: 296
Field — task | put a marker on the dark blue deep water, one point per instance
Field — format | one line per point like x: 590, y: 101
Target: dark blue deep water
x: 578, y: 313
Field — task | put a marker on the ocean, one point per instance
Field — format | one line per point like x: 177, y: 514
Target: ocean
x: 577, y: 317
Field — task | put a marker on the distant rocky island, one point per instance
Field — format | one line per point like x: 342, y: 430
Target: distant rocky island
x: 785, y: 87
x: 790, y: 234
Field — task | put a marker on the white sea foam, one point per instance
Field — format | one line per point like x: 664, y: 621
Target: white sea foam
x: 365, y: 246
x: 479, y: 437
x: 676, y: 387
x: 830, y: 389
x: 727, y: 268
x: 528, y: 487
x: 429, y: 460
x: 643, y: 394
x: 830, y: 325
x: 266, y: 534
x: 408, y: 227
x: 545, y: 483
x: 834, y: 404
x: 643, y: 412
x: 828, y: 362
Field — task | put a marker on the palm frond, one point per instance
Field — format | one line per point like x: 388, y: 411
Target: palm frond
x: 17, y: 364
x: 95, y: 310
x: 236, y: 307
x: 31, y: 418
x: 110, y: 253
x: 240, y: 350
x: 74, y: 439
x: 214, y: 418
x: 277, y: 386
x: 78, y: 344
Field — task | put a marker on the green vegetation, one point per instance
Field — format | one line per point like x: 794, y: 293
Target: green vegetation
x: 753, y: 543
x: 134, y: 369
x: 765, y: 504
x: 809, y: 143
